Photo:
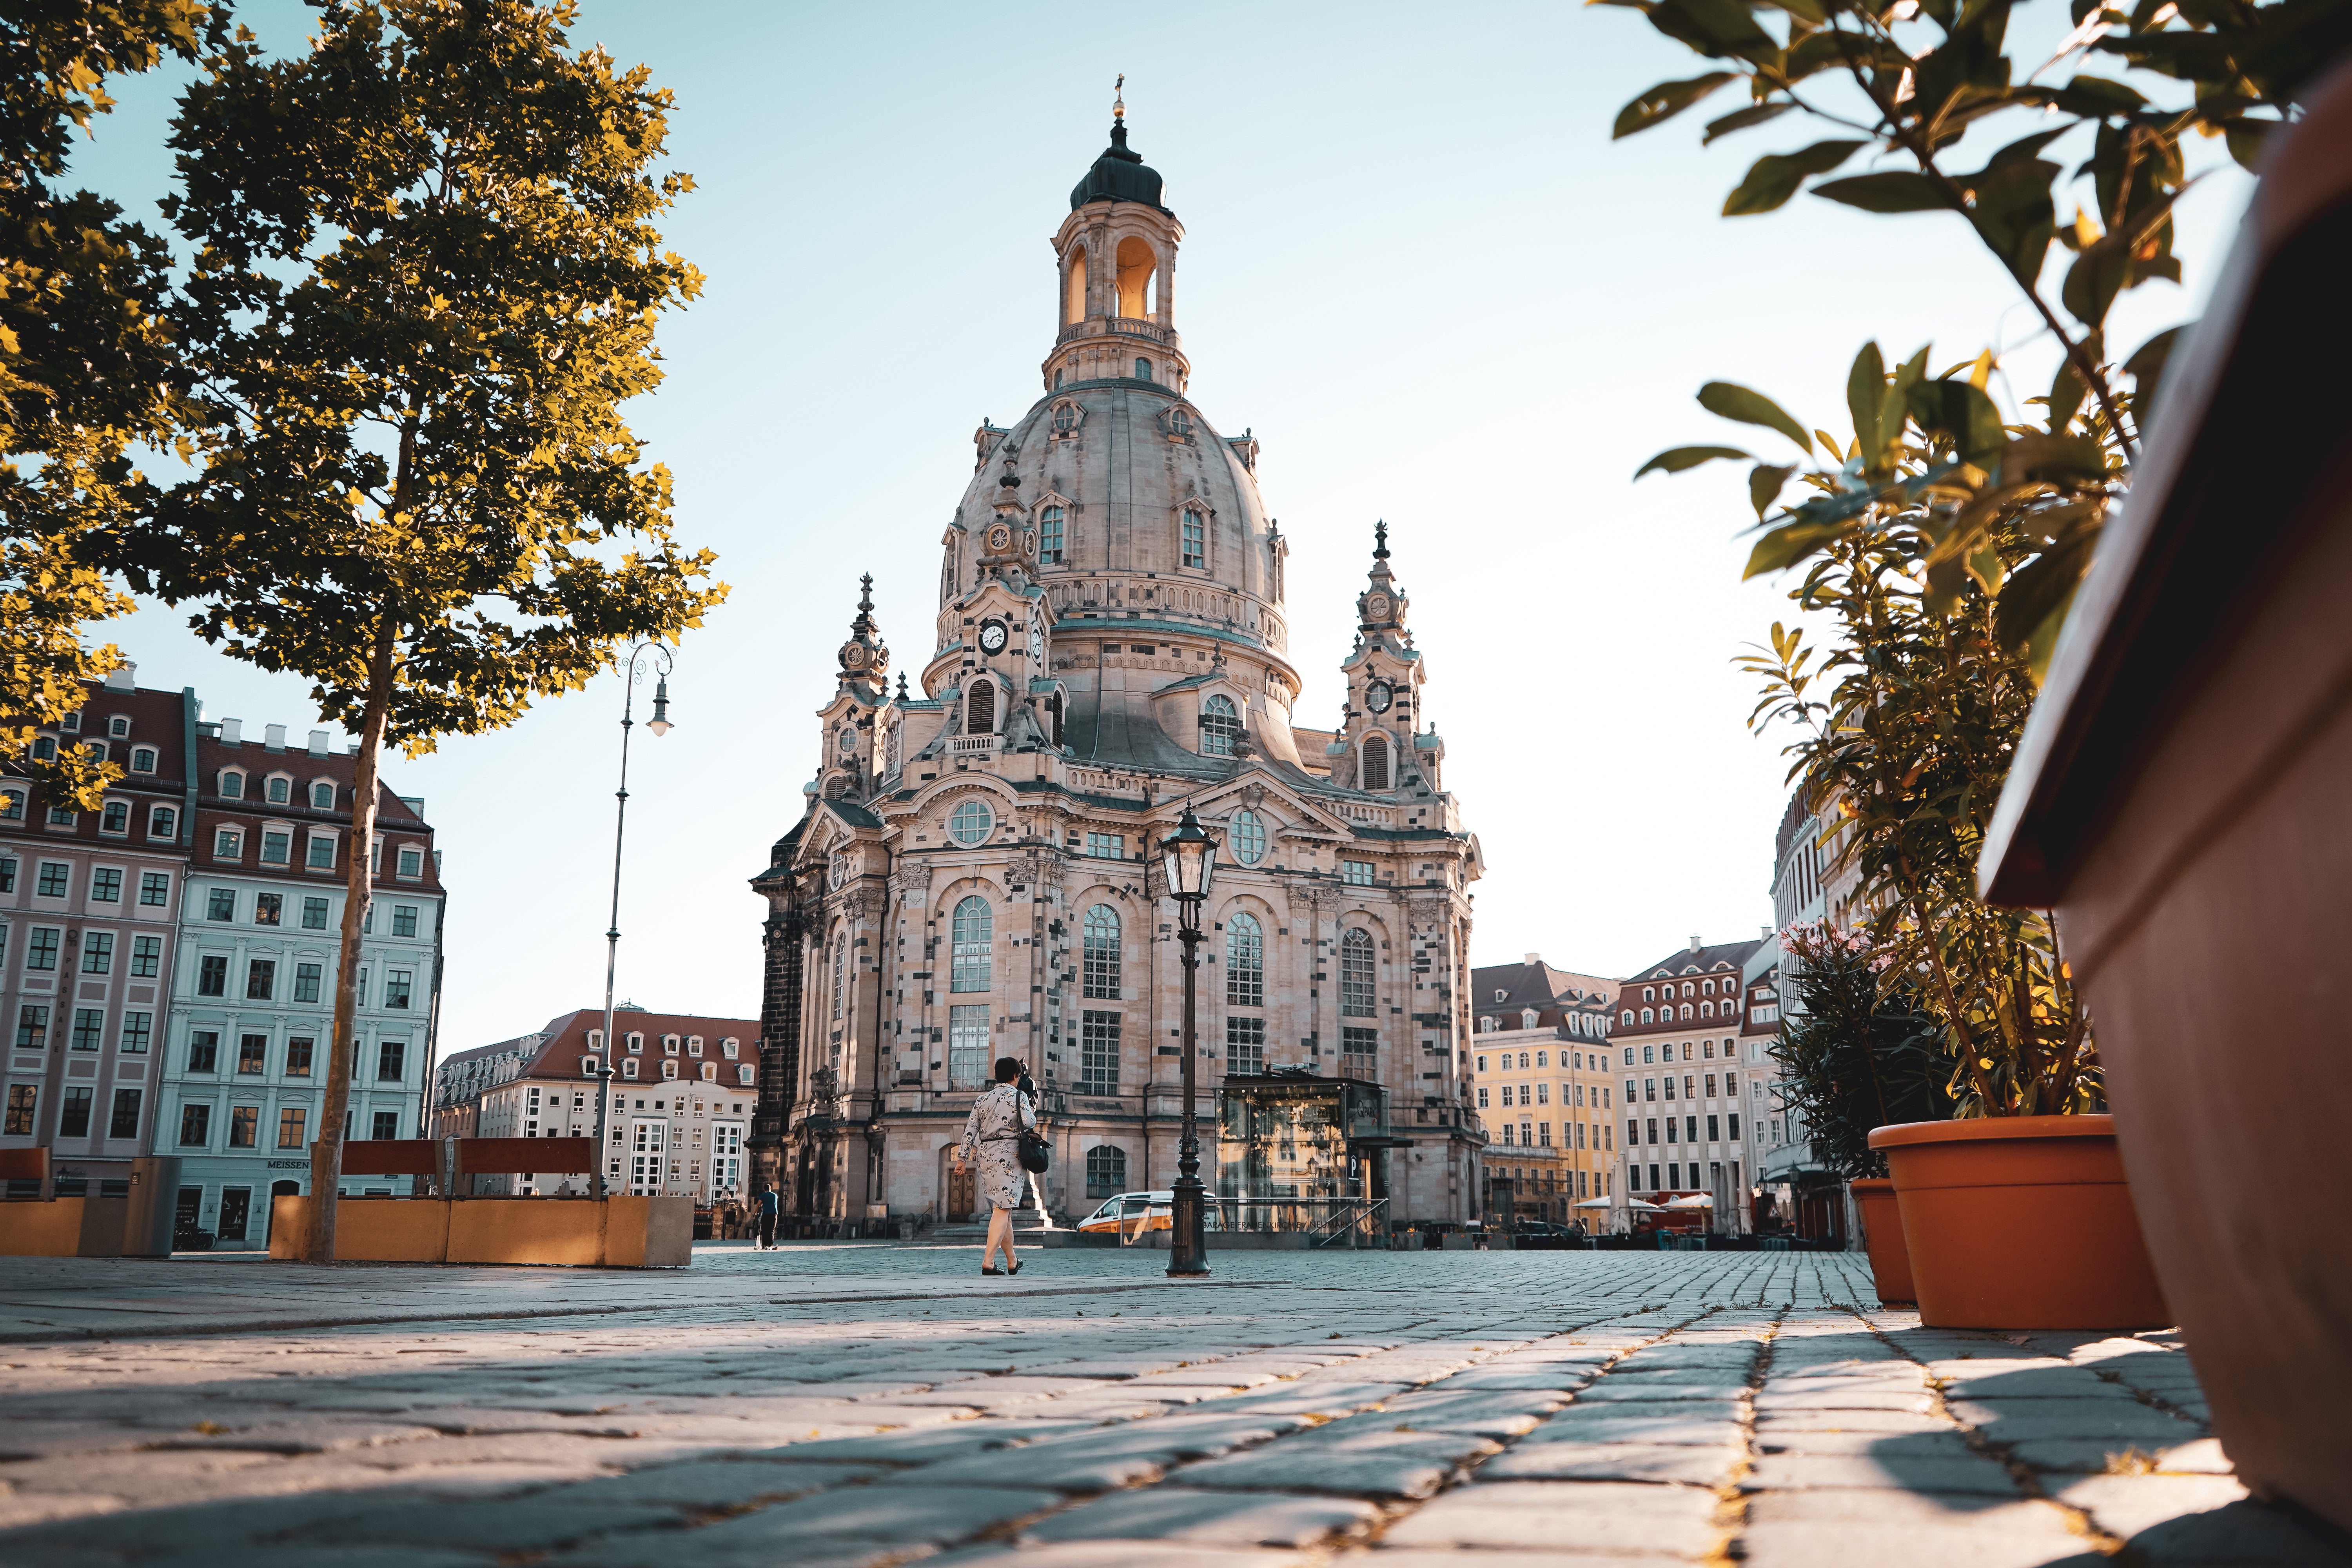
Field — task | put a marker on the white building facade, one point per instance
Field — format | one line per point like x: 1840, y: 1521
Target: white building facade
x: 243, y: 1067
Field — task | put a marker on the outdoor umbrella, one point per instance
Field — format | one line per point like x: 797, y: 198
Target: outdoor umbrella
x: 1691, y: 1201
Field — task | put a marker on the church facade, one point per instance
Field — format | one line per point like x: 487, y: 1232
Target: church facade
x: 976, y: 874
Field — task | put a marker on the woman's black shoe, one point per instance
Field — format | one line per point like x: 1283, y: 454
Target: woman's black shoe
x: 1014, y: 1269
x: 991, y: 1270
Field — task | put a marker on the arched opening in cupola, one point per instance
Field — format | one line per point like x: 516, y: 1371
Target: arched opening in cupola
x: 980, y: 709
x: 1137, y: 265
x: 1074, y: 307
x: 1376, y: 762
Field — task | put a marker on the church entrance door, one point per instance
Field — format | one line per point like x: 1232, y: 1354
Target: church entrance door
x: 964, y: 1194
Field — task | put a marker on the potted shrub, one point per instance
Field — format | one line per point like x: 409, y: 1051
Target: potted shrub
x: 1854, y: 1059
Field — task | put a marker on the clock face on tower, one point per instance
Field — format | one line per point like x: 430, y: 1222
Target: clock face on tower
x: 1000, y: 539
x: 1376, y: 606
x: 992, y: 638
x: 1036, y: 646
x: 1378, y: 696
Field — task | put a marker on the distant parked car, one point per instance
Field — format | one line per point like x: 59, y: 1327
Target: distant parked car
x: 1135, y: 1212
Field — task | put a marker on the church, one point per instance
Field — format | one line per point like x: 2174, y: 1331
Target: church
x: 976, y: 873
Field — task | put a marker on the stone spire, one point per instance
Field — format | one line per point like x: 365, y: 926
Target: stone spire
x: 1380, y: 607
x: 864, y: 657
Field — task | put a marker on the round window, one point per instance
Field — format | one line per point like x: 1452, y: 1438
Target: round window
x: 970, y: 822
x: 1248, y: 837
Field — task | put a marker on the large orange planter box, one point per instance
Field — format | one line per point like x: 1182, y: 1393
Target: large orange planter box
x: 618, y: 1233
x: 63, y: 1227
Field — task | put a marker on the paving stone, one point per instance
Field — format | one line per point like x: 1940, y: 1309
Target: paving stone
x: 1111, y: 1555
x: 1174, y: 1513
x: 1345, y: 1457
x: 1490, y: 1413
x: 1962, y: 1472
x: 1691, y: 1465
x: 855, y: 1525
x: 2127, y: 1505
x: 1564, y: 1516
x: 2117, y: 1420
x: 711, y: 1484
x: 1705, y: 1426
x: 1870, y: 1529
x: 536, y: 1524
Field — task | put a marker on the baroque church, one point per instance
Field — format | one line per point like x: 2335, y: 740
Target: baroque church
x: 976, y: 874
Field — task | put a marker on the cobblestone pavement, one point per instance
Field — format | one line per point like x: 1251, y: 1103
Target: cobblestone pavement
x: 825, y: 1406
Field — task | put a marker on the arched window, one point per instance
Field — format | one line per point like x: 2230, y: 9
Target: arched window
x: 1221, y: 726
x: 1245, y: 835
x: 969, y: 822
x: 1101, y: 959
x: 323, y: 797
x: 142, y: 759
x: 232, y: 785
x: 1106, y: 1171
x: 1136, y: 265
x: 1376, y: 762
x: 1244, y: 961
x: 1075, y: 306
x: 1143, y: 370
x: 980, y: 709
x: 840, y: 969
x: 1195, y: 539
x: 970, y: 932
x: 1049, y: 527
x: 1356, y: 971
x: 280, y: 790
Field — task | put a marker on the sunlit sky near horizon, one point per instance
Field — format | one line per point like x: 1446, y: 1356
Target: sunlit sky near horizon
x: 1415, y: 266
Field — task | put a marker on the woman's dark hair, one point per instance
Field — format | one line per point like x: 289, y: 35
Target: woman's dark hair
x: 1008, y: 1068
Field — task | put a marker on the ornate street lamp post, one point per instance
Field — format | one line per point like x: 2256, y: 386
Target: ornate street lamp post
x: 660, y: 725
x: 1190, y: 856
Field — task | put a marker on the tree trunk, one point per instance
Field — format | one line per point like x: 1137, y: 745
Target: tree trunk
x: 327, y: 1153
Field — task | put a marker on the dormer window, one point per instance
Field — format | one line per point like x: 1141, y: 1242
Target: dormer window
x: 279, y: 789
x: 1180, y: 424
x: 629, y: 1067
x: 669, y: 1044
x: 119, y: 726
x: 1196, y: 539
x: 1221, y: 726
x: 694, y: 1045
x: 323, y: 797
x: 731, y: 1048
x: 635, y: 1041
x: 1049, y: 536
x: 71, y: 722
x: 1067, y: 417
x: 142, y: 759
x: 232, y: 785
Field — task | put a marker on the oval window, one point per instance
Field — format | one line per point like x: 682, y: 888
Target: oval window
x: 970, y: 822
x: 1248, y: 837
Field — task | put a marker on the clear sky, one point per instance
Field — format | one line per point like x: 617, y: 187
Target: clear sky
x: 1415, y: 266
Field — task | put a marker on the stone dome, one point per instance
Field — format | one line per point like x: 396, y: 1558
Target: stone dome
x: 1125, y: 460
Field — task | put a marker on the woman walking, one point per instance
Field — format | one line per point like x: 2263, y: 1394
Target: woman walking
x: 994, y: 1132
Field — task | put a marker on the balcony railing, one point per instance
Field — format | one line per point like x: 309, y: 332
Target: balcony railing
x: 971, y: 745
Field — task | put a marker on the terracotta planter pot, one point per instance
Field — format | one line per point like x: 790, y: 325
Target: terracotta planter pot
x: 2021, y: 1222
x: 1882, y: 1231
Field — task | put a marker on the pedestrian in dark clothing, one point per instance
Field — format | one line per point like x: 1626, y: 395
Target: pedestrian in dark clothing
x: 766, y: 1198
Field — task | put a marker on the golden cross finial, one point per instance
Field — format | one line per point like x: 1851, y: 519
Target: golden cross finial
x: 1119, y: 101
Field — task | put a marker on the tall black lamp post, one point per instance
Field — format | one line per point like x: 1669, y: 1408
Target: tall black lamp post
x: 1189, y: 856
x: 660, y: 724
